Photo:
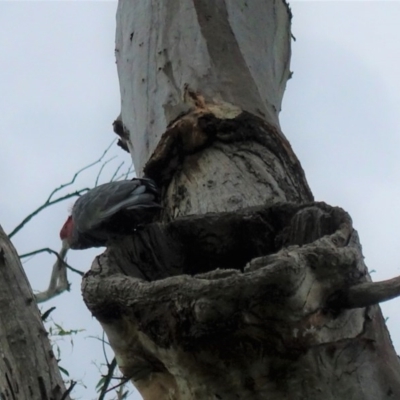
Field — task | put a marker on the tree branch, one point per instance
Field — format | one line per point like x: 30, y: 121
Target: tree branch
x: 107, y: 379
x: 58, y: 280
x: 116, y: 171
x: 68, y: 391
x: 101, y: 170
x: 48, y: 250
x: 365, y: 294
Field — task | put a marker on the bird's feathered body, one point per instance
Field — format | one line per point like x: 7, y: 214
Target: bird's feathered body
x: 112, y: 209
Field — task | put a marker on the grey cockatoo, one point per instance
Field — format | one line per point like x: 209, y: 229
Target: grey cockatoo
x: 110, y: 210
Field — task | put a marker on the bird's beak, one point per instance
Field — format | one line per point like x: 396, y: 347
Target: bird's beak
x: 64, y: 246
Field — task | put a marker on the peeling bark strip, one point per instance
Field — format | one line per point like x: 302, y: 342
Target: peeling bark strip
x: 123, y: 134
x: 298, y: 257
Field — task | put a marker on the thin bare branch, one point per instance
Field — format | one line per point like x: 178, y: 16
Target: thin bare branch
x: 107, y: 380
x: 116, y: 171
x: 126, y: 174
x: 49, y: 202
x: 124, y: 380
x: 72, y: 181
x: 48, y: 250
x: 121, y: 394
x: 104, y: 349
x: 42, y: 207
x: 97, y: 338
x: 101, y: 170
x: 68, y: 391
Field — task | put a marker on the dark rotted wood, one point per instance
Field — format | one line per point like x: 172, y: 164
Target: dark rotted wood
x: 197, y: 244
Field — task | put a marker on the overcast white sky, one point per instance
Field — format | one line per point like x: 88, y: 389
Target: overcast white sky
x: 60, y: 94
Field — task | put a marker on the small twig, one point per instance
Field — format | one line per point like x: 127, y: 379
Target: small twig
x: 116, y: 171
x: 97, y: 338
x: 101, y: 170
x: 48, y: 250
x: 365, y: 294
x: 126, y: 174
x: 69, y: 390
x: 80, y: 171
x: 124, y: 380
x: 107, y: 380
x: 121, y: 394
x: 104, y: 349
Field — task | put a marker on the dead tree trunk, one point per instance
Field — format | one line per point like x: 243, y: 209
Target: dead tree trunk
x: 29, y: 369
x: 246, y: 289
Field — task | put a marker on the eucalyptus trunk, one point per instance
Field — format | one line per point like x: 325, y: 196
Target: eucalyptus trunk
x: 245, y: 288
x: 28, y: 366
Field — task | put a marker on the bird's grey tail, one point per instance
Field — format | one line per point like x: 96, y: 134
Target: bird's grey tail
x: 138, y: 199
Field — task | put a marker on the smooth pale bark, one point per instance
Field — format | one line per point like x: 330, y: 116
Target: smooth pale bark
x: 234, y: 52
x: 29, y: 369
x: 246, y: 288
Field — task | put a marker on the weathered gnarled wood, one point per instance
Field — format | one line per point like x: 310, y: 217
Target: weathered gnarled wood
x: 209, y: 164
x: 366, y: 294
x: 202, y: 243
x: 28, y: 367
x: 269, y: 322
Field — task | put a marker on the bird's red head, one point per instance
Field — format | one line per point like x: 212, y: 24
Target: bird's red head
x: 66, y: 230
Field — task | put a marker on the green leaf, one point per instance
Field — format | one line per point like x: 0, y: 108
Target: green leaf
x: 64, y: 371
x: 100, y: 384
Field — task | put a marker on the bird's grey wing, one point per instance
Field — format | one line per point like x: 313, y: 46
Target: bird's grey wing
x: 137, y: 199
x: 105, y: 200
